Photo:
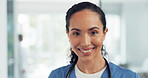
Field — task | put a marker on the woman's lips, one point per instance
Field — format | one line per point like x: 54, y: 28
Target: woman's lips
x: 86, y: 51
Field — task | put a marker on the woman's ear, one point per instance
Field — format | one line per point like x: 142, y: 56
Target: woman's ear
x: 67, y: 33
x: 105, y: 31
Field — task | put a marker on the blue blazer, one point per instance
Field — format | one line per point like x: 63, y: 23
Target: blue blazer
x: 116, y: 72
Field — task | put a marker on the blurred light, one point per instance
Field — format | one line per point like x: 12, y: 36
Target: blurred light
x: 22, y: 18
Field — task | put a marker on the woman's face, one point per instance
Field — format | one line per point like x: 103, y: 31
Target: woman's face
x: 86, y: 34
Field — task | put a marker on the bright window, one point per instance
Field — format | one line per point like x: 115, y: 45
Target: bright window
x: 45, y: 43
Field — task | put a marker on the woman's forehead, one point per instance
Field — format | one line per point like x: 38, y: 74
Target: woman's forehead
x: 85, y: 19
x: 85, y: 13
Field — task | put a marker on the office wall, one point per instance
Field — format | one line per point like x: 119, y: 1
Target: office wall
x: 3, y: 40
x: 136, y: 21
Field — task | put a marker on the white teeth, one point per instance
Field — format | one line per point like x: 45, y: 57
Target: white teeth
x: 86, y: 51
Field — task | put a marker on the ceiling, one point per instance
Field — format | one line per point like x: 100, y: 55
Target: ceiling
x: 52, y: 6
x: 110, y: 1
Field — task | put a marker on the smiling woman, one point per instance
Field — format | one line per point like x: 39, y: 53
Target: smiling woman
x: 86, y: 30
x: 86, y: 35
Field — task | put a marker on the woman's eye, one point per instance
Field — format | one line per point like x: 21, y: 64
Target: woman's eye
x: 93, y: 33
x: 76, y: 33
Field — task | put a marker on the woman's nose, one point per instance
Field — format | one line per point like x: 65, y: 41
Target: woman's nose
x: 85, y: 40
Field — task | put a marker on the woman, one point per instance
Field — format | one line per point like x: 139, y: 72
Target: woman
x: 86, y: 30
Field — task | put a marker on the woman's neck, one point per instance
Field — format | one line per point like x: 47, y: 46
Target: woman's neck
x: 92, y: 66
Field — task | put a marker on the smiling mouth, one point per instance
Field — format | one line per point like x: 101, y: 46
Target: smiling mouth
x: 86, y: 50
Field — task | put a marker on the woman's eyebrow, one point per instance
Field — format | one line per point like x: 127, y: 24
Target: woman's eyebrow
x: 75, y: 29
x: 93, y: 28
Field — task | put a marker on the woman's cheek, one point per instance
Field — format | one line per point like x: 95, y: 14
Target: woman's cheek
x: 74, y: 42
x: 97, y: 41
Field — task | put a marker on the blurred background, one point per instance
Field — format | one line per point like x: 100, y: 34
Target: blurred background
x: 33, y: 37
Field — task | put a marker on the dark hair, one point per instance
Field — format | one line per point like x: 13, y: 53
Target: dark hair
x: 79, y: 7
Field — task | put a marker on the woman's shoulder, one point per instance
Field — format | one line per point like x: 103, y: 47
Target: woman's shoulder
x: 63, y: 68
x: 116, y: 67
x: 59, y: 72
x: 122, y: 72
